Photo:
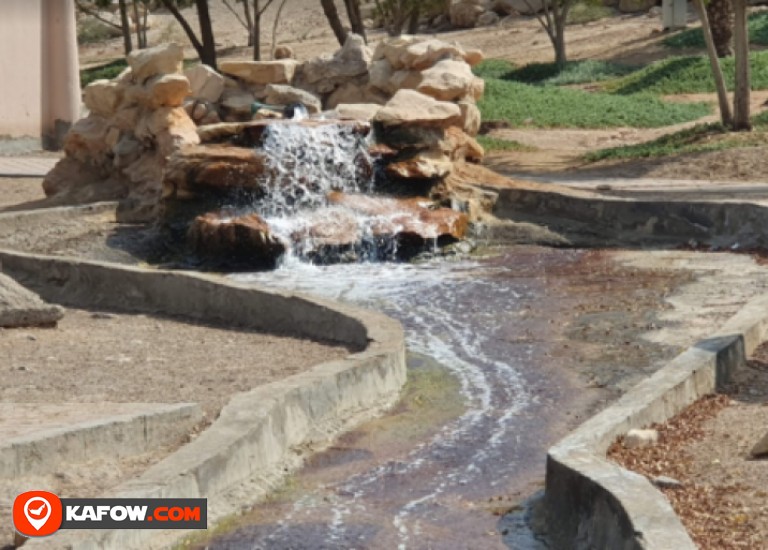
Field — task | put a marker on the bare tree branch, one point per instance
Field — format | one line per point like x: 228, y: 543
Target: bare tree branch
x: 93, y: 13
x: 237, y: 15
x: 274, y: 28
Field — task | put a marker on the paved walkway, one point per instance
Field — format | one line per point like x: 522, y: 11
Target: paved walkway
x: 26, y: 166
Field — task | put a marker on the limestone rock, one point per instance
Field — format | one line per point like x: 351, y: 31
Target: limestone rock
x: 126, y: 118
x: 424, y: 165
x: 237, y: 103
x: 666, y: 482
x: 20, y: 307
x: 168, y: 90
x: 205, y: 83
x: 464, y: 14
x: 423, y: 54
x: 641, y: 438
x: 635, y: 6
x: 473, y: 57
x: 172, y: 130
x: 487, y: 19
x: 284, y: 52
x: 278, y: 94
x: 86, y: 141
x: 126, y: 151
x: 244, y: 239
x: 149, y: 62
x: 324, y: 73
x: 458, y: 146
x: 380, y: 75
x: 102, y: 97
x: 357, y: 111
x: 760, y: 449
x: 261, y: 72
x: 213, y: 170
x: 392, y: 50
x: 448, y: 80
x: 405, y: 80
x: 410, y: 107
x: 350, y: 93
x: 470, y: 117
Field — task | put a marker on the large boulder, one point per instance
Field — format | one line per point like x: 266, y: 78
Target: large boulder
x: 205, y: 83
x: 278, y: 94
x: 158, y: 60
x: 20, y: 307
x: 103, y: 97
x: 422, y: 54
x: 323, y: 74
x: 450, y: 80
x: 356, y: 111
x: 470, y: 117
x: 280, y: 71
x: 168, y: 90
x: 464, y: 14
x: 86, y: 141
x: 409, y: 107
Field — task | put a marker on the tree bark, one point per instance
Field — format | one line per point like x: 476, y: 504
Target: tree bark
x: 413, y: 21
x: 171, y: 7
x: 248, y: 20
x: 206, y: 31
x: 720, y: 13
x: 717, y: 72
x: 742, y: 91
x: 329, y: 8
x: 256, y: 30
x: 127, y: 45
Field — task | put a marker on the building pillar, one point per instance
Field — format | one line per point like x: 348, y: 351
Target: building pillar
x: 61, y: 96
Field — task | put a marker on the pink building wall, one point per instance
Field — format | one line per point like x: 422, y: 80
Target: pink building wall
x: 39, y: 71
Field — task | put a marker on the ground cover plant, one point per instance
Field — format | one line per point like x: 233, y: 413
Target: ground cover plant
x: 551, y: 106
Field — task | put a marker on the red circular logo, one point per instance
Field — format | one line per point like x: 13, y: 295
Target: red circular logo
x: 37, y: 513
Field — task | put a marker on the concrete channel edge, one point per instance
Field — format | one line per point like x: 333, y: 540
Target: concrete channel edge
x: 592, y: 502
x: 261, y: 435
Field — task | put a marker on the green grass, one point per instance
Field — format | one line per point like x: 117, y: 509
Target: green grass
x: 698, y: 139
x: 575, y: 72
x: 108, y: 71
x: 497, y: 144
x: 691, y: 74
x: 586, y: 12
x: 694, y: 38
x: 553, y: 107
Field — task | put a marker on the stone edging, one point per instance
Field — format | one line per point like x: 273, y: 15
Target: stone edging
x: 257, y: 438
x: 592, y: 502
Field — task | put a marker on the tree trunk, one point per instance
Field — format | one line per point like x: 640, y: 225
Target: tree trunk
x: 558, y: 42
x: 714, y: 62
x: 208, y: 56
x: 413, y: 21
x: 256, y: 37
x: 126, y: 24
x: 355, y: 20
x: 720, y: 13
x: 741, y: 93
x: 249, y: 20
x: 137, y: 22
x: 333, y: 18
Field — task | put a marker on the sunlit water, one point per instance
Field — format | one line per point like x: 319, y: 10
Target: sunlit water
x: 463, y: 314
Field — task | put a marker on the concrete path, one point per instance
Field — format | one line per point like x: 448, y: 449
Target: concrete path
x: 26, y: 166
x: 672, y: 189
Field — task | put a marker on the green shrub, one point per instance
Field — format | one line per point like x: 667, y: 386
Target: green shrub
x: 490, y: 143
x: 108, y: 71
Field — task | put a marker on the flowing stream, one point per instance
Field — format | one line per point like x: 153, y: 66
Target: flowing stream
x: 468, y: 316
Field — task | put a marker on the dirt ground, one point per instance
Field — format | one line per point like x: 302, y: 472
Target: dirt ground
x: 722, y: 500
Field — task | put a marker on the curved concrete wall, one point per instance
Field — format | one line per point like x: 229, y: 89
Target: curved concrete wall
x: 250, y: 447
x: 593, y: 503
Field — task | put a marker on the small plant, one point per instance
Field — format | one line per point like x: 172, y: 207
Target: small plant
x: 586, y: 12
x: 108, y: 71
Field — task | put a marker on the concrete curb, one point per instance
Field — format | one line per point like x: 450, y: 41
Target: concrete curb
x: 585, y: 218
x: 592, y: 502
x: 118, y: 435
x: 257, y: 438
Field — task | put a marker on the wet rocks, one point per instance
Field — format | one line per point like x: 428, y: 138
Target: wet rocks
x: 278, y: 94
x: 235, y: 239
x: 213, y: 170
